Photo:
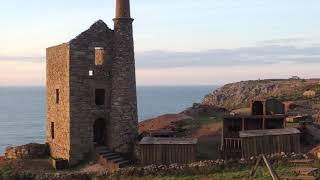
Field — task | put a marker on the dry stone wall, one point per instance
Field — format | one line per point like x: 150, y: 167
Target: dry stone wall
x: 196, y: 168
x: 29, y: 151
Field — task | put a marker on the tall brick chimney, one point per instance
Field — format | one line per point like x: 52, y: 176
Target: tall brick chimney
x: 123, y: 115
x: 123, y: 9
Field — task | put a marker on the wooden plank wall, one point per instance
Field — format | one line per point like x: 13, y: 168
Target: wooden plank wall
x: 167, y: 154
x: 254, y: 146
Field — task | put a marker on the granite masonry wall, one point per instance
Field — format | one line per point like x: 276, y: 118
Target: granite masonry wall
x: 98, y: 61
x: 58, y: 108
x: 84, y: 110
x: 124, y: 100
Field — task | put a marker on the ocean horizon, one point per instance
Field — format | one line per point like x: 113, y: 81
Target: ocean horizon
x: 23, y: 109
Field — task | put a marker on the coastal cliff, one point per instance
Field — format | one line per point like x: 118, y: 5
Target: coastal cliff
x: 238, y: 95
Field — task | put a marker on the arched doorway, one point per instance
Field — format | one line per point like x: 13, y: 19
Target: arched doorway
x: 257, y: 108
x: 99, y: 133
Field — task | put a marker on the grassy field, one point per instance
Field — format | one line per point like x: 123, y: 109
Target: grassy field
x: 227, y: 174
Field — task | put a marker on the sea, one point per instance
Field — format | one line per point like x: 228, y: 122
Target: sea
x: 23, y: 109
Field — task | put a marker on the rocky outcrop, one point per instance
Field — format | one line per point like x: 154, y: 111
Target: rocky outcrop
x: 239, y: 95
x: 29, y: 151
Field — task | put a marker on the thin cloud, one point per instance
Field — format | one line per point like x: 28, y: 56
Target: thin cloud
x: 284, y: 41
x: 257, y: 55
x: 39, y: 59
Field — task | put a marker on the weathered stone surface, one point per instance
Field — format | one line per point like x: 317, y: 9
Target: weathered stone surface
x: 123, y: 95
x: 29, y: 151
x: 309, y: 94
x: 84, y: 111
x: 78, y: 70
x: 58, y: 113
x: 240, y: 94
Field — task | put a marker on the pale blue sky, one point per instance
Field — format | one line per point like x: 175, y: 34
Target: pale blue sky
x: 177, y: 36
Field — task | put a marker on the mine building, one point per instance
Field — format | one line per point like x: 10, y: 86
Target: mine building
x: 244, y: 135
x: 165, y: 151
x: 91, y: 94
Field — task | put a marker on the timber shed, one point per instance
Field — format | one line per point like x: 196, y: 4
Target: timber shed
x: 269, y: 141
x: 161, y: 150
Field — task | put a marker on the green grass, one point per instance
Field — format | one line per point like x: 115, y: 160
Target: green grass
x: 208, y: 151
x: 315, y: 105
x: 227, y: 174
x: 187, y: 126
x: 5, y: 172
x: 205, y: 120
x: 292, y: 125
x: 205, y: 150
x: 190, y: 125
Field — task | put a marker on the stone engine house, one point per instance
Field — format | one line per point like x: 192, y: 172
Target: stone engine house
x: 91, y: 91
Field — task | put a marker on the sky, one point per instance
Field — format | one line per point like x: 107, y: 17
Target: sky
x: 177, y: 42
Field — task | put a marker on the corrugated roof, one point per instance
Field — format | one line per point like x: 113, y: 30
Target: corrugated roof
x: 162, y: 140
x: 268, y: 132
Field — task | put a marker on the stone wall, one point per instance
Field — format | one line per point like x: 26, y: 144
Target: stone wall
x: 124, y: 116
x: 58, y: 112
x: 29, y: 151
x: 84, y: 111
x: 196, y: 168
x: 68, y: 69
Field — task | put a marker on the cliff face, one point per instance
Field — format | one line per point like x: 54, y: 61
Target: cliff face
x: 238, y: 95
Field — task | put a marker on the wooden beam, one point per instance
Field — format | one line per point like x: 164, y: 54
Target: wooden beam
x: 266, y: 162
x: 243, y: 124
x: 271, y: 170
x: 255, y: 168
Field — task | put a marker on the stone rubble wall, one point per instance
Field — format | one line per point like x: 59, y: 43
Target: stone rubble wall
x: 29, y: 151
x: 196, y: 168
x: 202, y: 167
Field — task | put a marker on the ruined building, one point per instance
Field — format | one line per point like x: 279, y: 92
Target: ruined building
x: 91, y: 91
x: 262, y: 132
